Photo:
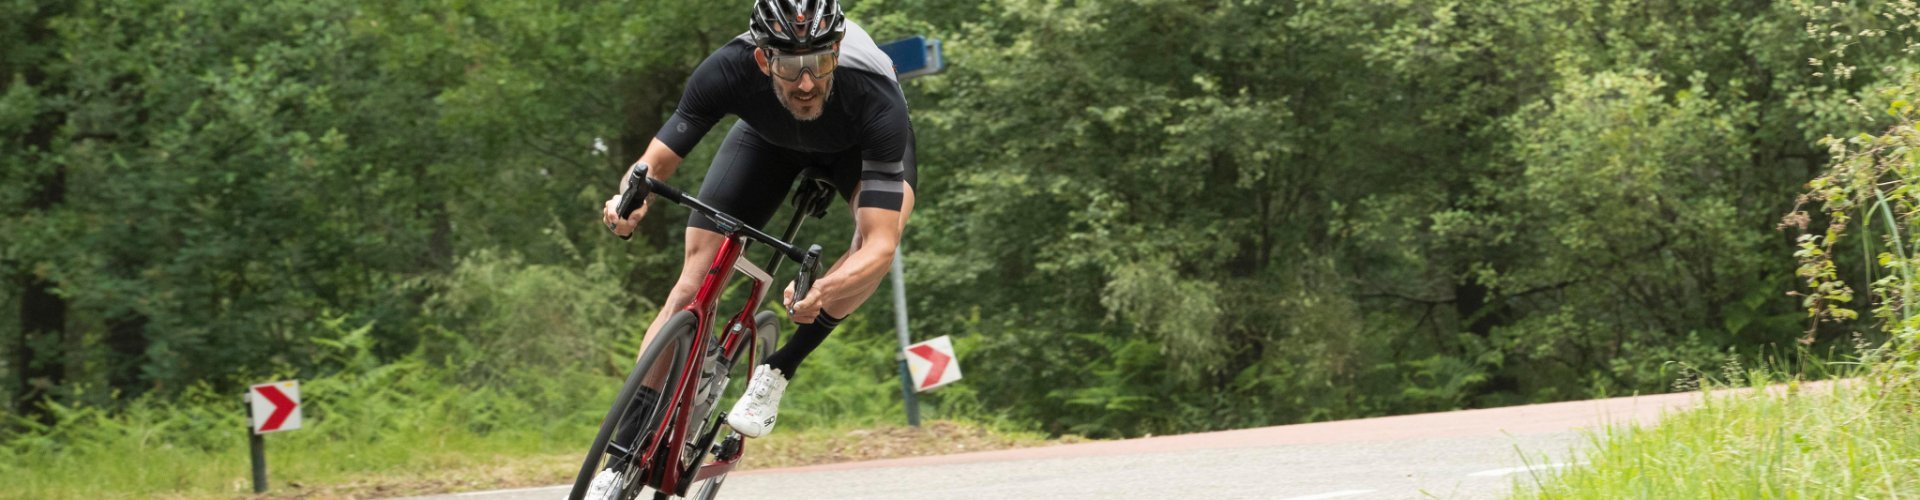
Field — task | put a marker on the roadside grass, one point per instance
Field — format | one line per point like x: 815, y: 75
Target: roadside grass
x: 405, y: 424
x: 1859, y: 438
x: 417, y: 464
x: 411, y: 427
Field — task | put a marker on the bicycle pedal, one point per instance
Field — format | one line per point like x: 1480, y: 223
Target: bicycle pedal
x: 728, y: 449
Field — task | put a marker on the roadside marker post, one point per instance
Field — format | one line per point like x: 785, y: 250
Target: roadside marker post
x: 271, y: 407
x: 913, y: 57
x: 934, y: 363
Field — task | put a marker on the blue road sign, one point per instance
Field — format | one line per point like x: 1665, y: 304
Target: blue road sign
x: 914, y: 56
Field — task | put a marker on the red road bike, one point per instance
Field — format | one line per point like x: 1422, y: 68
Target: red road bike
x: 671, y: 449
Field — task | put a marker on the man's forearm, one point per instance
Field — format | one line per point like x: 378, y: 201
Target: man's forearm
x: 864, y: 268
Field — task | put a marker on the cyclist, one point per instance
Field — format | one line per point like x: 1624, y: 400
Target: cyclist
x: 812, y: 91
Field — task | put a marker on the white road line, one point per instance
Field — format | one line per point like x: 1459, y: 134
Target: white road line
x: 503, y: 492
x: 1510, y: 470
x: 1336, y: 494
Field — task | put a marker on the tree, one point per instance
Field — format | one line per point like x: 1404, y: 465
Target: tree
x: 36, y: 186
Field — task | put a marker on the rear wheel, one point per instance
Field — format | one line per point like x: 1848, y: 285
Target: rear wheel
x: 674, y: 338
x: 767, y: 329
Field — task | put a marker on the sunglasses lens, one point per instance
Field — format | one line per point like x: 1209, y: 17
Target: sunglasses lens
x: 789, y: 67
x: 825, y: 62
x: 786, y: 68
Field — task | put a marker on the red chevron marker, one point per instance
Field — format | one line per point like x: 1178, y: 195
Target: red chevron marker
x: 276, y: 406
x: 282, y: 407
x: 938, y: 359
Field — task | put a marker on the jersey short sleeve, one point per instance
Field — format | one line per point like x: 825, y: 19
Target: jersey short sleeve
x: 704, y: 102
x: 886, y: 152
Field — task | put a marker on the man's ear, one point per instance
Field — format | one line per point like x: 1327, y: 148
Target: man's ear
x: 760, y: 58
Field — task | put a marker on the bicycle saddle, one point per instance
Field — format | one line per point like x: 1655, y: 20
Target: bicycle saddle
x: 815, y: 193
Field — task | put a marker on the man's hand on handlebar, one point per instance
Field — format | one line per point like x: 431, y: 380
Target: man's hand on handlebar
x: 810, y: 306
x: 621, y: 227
x: 622, y: 213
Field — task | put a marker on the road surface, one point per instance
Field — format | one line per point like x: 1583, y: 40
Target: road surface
x: 1462, y: 454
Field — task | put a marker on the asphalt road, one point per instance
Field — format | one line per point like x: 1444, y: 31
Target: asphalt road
x: 1464, y: 454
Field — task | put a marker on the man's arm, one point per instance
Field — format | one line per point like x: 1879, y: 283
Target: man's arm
x: 858, y: 273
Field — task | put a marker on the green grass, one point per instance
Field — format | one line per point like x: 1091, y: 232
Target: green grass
x: 481, y: 403
x: 398, y: 428
x: 1857, y: 439
x: 411, y: 426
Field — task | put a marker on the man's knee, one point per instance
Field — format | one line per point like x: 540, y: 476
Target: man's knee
x: 702, y: 247
x: 684, y: 290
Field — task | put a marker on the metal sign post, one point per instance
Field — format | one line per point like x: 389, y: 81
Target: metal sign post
x: 900, y: 323
x: 913, y: 57
x: 258, y: 446
x: 271, y: 407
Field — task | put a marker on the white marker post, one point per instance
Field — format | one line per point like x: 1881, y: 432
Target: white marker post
x: 271, y: 407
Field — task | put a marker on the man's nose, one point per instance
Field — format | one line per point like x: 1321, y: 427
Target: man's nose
x: 806, y: 81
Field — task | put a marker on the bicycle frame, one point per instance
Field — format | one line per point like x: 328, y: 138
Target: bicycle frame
x: 742, y: 332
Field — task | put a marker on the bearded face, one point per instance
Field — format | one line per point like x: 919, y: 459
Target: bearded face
x: 805, y: 98
x: 802, y: 81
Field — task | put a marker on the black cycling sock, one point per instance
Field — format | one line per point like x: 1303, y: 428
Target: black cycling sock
x: 802, y: 343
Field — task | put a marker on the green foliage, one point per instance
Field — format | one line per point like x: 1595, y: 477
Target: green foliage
x: 1135, y: 217
x: 1868, y: 186
x: 499, y: 315
x: 1855, y: 437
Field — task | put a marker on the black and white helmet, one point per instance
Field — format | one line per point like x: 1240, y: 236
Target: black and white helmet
x: 797, y: 25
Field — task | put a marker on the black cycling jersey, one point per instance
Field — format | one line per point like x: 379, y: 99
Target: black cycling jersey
x: 866, y: 112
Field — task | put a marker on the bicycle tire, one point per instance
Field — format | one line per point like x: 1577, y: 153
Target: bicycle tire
x: 767, y: 328
x: 677, y: 334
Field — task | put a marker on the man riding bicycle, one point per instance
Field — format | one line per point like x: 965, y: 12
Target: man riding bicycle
x: 813, y: 93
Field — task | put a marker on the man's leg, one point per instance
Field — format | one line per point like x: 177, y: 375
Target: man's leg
x: 702, y: 246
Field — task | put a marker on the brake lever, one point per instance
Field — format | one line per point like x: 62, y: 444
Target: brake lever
x: 809, y: 269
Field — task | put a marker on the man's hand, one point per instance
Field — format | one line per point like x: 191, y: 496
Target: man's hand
x: 621, y: 227
x: 825, y: 288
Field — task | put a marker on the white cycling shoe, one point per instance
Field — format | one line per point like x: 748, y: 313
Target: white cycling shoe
x: 605, y: 486
x: 753, y: 415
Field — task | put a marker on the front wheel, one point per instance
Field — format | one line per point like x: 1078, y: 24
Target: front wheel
x: 675, y: 338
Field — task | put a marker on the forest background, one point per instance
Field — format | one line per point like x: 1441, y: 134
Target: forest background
x: 1134, y: 218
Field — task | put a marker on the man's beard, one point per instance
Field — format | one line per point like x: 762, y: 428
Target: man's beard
x: 820, y: 102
